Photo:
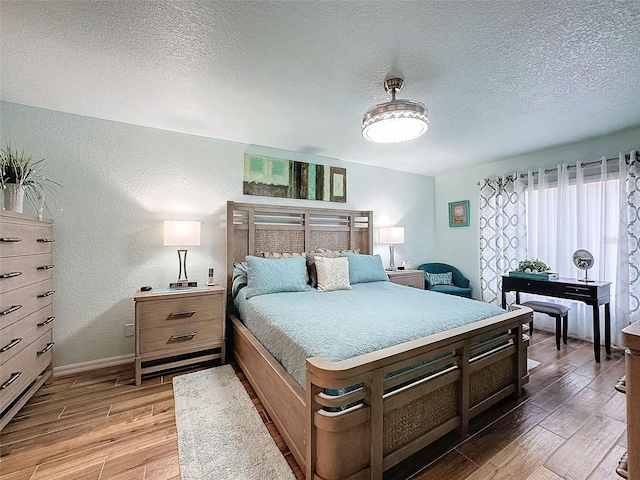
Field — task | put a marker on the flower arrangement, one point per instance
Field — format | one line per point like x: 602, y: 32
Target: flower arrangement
x: 18, y: 170
x: 532, y: 265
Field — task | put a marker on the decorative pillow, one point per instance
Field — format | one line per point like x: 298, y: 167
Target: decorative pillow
x: 333, y: 273
x: 365, y: 268
x: 311, y: 265
x: 286, y: 255
x: 239, y: 278
x: 266, y: 275
x: 335, y: 253
x: 440, y: 278
x: 282, y: 255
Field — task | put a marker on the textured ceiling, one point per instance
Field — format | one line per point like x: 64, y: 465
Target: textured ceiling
x: 499, y: 77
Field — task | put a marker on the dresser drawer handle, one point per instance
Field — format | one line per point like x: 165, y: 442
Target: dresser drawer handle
x: 11, y: 309
x: 10, y: 240
x: 46, y: 240
x: 10, y: 345
x: 45, y: 349
x: 10, y: 274
x: 183, y: 336
x: 47, y: 294
x: 46, y: 267
x: 188, y: 313
x: 14, y: 377
x: 46, y: 322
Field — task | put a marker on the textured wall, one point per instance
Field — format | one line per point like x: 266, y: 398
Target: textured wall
x: 460, y: 246
x: 121, y: 181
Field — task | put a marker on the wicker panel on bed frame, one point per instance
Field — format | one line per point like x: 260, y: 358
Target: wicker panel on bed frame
x: 360, y: 434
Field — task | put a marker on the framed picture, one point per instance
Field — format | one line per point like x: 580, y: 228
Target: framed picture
x: 459, y: 214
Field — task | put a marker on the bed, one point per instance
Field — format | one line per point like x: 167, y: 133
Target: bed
x: 353, y: 418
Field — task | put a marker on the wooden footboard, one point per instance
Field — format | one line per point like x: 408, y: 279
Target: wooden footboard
x: 382, y: 419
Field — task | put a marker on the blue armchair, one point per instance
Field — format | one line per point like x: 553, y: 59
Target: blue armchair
x: 460, y: 285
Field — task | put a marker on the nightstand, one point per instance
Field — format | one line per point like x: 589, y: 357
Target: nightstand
x: 176, y: 328
x: 408, y: 278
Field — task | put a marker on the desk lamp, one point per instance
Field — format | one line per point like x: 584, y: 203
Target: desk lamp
x: 182, y: 233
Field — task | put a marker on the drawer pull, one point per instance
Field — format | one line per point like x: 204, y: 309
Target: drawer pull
x: 14, y: 377
x: 46, y: 349
x: 46, y: 240
x: 46, y: 267
x: 11, y: 309
x: 10, y: 345
x: 10, y: 274
x: 46, y: 322
x: 47, y: 294
x: 188, y: 313
x: 10, y: 240
x: 183, y: 336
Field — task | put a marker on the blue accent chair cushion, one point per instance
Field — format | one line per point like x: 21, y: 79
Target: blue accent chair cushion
x: 460, y: 285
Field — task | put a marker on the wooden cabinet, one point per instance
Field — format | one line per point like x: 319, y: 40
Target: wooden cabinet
x: 631, y: 340
x: 178, y: 328
x: 26, y: 309
x: 409, y: 278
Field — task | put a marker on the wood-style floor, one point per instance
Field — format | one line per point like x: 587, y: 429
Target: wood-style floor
x: 98, y: 425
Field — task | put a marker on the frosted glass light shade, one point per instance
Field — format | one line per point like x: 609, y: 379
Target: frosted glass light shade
x: 395, y: 121
x: 391, y: 235
x: 181, y: 233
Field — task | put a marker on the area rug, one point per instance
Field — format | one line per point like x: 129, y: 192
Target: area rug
x: 531, y: 364
x: 220, y: 433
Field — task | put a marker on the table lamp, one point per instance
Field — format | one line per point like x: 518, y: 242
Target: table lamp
x: 391, y: 236
x: 182, y: 233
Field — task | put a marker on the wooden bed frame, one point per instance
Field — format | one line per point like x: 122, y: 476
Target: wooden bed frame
x: 360, y: 434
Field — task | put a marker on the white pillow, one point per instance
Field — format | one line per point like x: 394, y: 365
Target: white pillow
x: 333, y: 274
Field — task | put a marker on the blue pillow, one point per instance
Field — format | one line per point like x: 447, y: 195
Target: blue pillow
x: 365, y: 268
x: 273, y: 275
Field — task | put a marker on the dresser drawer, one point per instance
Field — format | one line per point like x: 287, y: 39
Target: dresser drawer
x: 16, y: 272
x: 25, y: 238
x: 171, y: 337
x: 159, y: 313
x: 23, y: 301
x: 17, y: 336
x: 24, y: 368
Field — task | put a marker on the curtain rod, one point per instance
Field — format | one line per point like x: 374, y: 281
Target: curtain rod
x: 584, y: 164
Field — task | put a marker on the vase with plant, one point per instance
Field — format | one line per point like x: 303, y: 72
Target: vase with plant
x: 20, y: 177
x: 532, y: 265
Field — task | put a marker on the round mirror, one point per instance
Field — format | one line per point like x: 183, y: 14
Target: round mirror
x: 583, y: 259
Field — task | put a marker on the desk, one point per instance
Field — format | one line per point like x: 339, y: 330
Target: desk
x: 591, y: 293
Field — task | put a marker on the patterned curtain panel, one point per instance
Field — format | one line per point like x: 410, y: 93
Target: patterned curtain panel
x: 627, y: 299
x: 503, y: 232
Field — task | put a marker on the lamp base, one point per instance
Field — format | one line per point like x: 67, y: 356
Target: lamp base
x: 183, y: 284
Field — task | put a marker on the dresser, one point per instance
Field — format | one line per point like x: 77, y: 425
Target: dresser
x: 26, y: 309
x: 178, y: 328
x: 631, y: 340
x: 408, y: 278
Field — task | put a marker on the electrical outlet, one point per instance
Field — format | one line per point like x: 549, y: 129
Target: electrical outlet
x: 128, y: 330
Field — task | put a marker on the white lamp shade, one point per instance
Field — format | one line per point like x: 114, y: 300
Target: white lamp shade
x: 181, y: 233
x: 391, y: 235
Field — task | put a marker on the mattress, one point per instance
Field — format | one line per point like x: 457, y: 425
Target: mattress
x: 338, y: 325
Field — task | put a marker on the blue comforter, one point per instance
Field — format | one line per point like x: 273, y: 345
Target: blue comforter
x: 346, y: 323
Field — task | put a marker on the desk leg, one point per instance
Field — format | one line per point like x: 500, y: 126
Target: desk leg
x: 596, y: 332
x: 607, y: 328
x: 518, y: 297
x: 504, y: 299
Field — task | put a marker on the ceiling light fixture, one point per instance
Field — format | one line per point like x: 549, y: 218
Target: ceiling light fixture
x: 397, y: 120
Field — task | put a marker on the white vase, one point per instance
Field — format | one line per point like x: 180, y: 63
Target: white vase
x: 13, y: 197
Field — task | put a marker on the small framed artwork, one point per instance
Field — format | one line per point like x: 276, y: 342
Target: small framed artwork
x: 459, y: 214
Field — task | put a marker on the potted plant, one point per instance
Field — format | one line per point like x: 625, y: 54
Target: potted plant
x: 20, y: 177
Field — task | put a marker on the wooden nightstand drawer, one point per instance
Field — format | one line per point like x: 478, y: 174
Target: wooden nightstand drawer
x: 171, y: 337
x: 178, y: 329
x: 408, y: 278
x: 179, y: 310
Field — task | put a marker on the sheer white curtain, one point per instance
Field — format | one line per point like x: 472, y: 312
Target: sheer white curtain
x: 572, y: 207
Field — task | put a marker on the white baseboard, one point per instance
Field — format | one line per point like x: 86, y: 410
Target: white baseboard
x: 93, y: 365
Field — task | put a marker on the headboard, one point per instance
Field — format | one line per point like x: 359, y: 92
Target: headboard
x: 256, y: 228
